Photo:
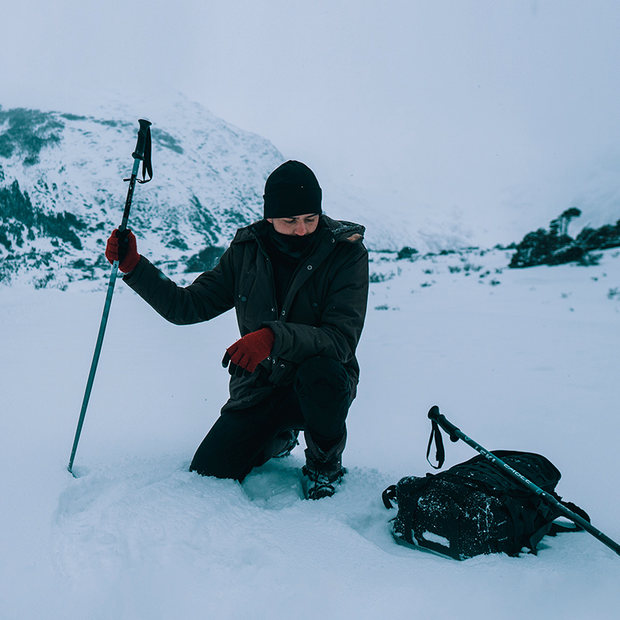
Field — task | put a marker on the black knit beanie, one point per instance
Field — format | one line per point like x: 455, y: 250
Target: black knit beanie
x: 292, y: 189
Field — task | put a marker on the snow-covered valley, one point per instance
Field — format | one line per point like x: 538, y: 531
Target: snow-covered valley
x: 523, y: 359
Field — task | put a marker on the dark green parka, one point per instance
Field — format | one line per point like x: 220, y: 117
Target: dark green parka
x: 322, y: 313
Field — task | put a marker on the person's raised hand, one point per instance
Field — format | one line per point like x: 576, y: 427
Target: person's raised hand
x: 123, y: 247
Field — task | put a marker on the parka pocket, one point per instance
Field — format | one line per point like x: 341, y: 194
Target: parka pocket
x: 282, y: 372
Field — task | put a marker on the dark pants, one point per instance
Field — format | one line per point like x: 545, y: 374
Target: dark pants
x: 317, y: 402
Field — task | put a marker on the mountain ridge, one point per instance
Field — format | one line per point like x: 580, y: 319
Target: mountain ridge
x: 62, y: 189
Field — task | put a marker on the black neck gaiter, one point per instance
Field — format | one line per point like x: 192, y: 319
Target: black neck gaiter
x: 294, y: 246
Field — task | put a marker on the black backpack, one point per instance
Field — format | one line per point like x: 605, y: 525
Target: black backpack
x: 476, y: 508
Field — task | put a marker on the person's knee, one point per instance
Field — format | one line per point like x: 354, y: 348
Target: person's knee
x: 205, y: 464
x: 228, y: 448
x: 322, y: 379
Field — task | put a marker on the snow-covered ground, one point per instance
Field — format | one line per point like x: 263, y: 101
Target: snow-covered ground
x: 519, y: 359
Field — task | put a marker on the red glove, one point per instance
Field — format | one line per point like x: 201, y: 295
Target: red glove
x: 122, y: 246
x: 248, y: 352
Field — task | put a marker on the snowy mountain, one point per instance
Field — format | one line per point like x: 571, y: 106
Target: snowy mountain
x: 62, y: 189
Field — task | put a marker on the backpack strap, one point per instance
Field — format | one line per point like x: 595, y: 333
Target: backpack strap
x: 389, y: 496
x: 558, y: 528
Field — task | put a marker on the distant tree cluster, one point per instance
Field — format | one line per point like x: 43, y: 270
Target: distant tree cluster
x: 21, y: 221
x: 556, y: 247
x: 28, y: 132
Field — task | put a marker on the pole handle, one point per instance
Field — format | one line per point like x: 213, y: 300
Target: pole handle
x: 447, y: 426
x: 141, y: 154
x: 143, y: 132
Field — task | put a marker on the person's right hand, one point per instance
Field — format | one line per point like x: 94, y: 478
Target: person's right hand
x: 123, y: 247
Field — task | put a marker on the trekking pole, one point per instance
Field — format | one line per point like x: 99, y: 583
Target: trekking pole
x: 456, y: 434
x: 141, y: 154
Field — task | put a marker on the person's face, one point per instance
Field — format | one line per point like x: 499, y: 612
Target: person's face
x: 298, y: 225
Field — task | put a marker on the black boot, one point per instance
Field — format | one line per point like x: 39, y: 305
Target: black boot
x: 324, y: 470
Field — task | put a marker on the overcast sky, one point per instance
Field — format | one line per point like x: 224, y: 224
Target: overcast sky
x: 500, y: 111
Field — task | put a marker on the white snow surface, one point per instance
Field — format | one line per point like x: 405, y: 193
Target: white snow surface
x: 518, y: 359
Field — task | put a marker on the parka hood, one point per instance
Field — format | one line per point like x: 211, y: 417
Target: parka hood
x: 345, y: 231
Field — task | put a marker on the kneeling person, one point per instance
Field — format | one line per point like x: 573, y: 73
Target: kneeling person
x: 298, y: 281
